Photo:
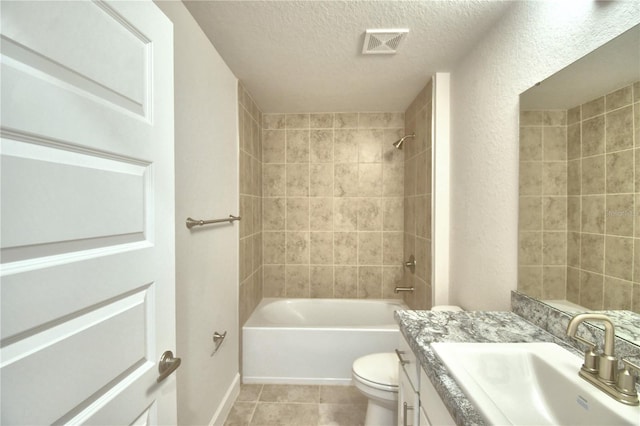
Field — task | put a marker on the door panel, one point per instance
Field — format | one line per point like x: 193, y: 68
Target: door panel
x: 87, y: 233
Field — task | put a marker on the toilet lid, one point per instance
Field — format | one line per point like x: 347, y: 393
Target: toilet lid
x: 378, y: 369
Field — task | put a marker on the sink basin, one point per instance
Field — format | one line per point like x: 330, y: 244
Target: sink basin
x: 530, y: 384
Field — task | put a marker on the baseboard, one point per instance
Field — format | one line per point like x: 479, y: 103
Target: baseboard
x: 297, y: 381
x: 224, y: 408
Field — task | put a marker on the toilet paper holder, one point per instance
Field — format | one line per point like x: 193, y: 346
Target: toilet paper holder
x: 217, y: 341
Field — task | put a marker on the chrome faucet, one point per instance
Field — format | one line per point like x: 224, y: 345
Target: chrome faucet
x: 602, y: 370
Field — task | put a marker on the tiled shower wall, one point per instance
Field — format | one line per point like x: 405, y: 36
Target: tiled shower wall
x: 332, y: 187
x: 250, y: 132
x: 418, y: 199
x: 601, y: 214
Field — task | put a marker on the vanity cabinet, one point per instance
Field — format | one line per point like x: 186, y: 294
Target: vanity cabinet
x: 418, y: 401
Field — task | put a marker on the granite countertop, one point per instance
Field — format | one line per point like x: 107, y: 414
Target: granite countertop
x: 421, y: 328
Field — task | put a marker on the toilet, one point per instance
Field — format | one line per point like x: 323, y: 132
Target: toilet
x: 376, y: 377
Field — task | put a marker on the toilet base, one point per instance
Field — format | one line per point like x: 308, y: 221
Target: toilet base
x: 381, y: 413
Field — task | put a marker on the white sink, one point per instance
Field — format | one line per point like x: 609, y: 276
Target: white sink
x: 530, y: 384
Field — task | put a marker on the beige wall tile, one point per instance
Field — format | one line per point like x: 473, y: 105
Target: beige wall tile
x: 636, y: 91
x: 554, y: 282
x: 274, y: 281
x: 531, y: 118
x: 530, y: 249
x: 574, y: 115
x: 346, y: 281
x: 530, y: 280
x: 530, y: 214
x: 593, y: 214
x: 273, y: 244
x: 273, y: 121
x: 297, y: 146
x: 256, y: 178
x: 297, y: 214
x: 554, y: 178
x: 321, y: 121
x: 369, y: 145
x: 369, y: 214
x: 619, y: 215
x: 574, y: 140
x: 345, y: 214
x: 592, y: 252
x: 410, y: 177
x: 423, y: 258
x: 392, y: 246
x: 321, y: 214
x: 530, y: 178
x: 321, y: 146
x: 573, y: 213
x: 274, y: 211
x: 555, y: 143
x: 593, y: 175
x: 345, y: 248
x: 423, y: 173
x: 345, y: 146
x: 554, y: 248
x: 297, y: 121
x: 618, y: 260
x: 423, y: 216
x: 391, y: 278
x: 636, y: 155
x: 345, y: 120
x: 591, y: 290
x: 619, y: 98
x: 573, y: 249
x: 635, y: 298
x: 297, y: 246
x: 321, y: 180
x: 370, y: 282
x: 573, y: 285
x: 380, y: 120
x: 321, y: 281
x: 593, y: 108
x: 593, y: 136
x: 619, y: 133
x: 554, y: 118
x: 574, y: 177
x: 617, y: 293
x: 370, y: 180
x: 297, y: 180
x: 369, y: 248
x: 345, y: 183
x: 321, y: 248
x: 297, y: 281
x: 636, y: 216
x: 273, y: 180
x: 619, y: 172
x: 530, y: 143
x: 636, y: 121
x: 393, y: 180
x: 393, y: 214
x: 554, y: 213
x: 410, y: 215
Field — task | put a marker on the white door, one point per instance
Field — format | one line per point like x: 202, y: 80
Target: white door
x: 87, y: 290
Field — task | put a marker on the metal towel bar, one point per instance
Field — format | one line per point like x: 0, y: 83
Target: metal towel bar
x: 194, y: 222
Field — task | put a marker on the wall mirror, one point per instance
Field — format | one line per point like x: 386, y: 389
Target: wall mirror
x: 579, y: 183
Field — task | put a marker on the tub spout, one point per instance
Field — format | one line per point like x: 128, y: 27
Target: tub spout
x: 407, y: 289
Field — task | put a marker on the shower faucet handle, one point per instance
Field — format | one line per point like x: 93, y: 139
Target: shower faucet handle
x: 411, y: 263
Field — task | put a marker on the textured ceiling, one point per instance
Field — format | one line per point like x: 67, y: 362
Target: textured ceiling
x: 298, y: 56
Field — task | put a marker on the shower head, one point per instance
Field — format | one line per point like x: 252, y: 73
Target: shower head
x: 399, y: 142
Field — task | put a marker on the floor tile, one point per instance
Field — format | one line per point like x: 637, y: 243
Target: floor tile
x: 249, y: 393
x: 240, y: 414
x: 341, y: 395
x: 285, y: 414
x: 342, y: 414
x: 290, y: 393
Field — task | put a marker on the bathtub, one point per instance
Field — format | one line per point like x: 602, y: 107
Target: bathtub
x: 315, y: 341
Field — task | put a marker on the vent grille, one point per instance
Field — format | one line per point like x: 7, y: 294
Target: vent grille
x: 383, y: 42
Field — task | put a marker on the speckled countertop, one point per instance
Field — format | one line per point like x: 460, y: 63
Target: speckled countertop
x: 421, y: 328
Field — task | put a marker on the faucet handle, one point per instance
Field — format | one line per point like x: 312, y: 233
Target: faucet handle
x: 591, y: 358
x: 626, y: 383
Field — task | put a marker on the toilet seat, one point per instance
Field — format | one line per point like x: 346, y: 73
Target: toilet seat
x: 379, y: 371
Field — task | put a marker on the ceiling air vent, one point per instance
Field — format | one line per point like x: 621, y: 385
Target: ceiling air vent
x: 383, y: 42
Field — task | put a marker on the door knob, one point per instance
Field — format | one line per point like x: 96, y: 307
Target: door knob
x: 167, y: 365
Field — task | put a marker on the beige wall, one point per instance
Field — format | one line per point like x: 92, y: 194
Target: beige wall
x: 250, y: 132
x: 332, y: 205
x: 418, y: 199
x: 587, y: 216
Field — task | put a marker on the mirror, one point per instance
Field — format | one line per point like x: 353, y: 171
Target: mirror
x: 579, y: 212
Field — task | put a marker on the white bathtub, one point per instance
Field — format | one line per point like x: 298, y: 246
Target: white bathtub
x: 315, y: 341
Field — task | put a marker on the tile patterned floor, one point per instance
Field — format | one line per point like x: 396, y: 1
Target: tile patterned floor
x: 298, y: 405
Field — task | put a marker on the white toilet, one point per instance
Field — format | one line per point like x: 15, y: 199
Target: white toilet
x: 376, y: 376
